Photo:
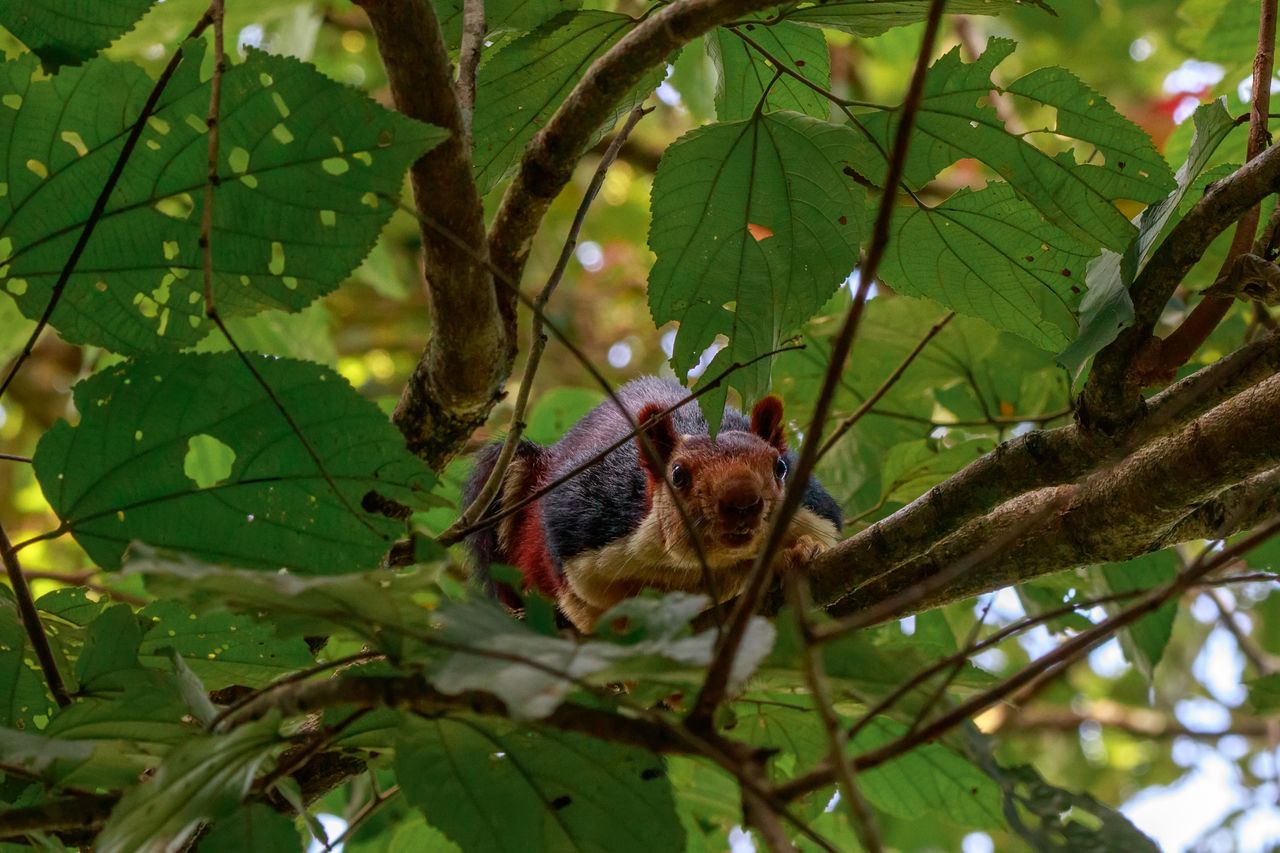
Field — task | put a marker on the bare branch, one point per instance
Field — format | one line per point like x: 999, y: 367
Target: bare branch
x: 31, y: 621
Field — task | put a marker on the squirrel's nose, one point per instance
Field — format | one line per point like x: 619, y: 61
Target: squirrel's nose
x: 742, y: 506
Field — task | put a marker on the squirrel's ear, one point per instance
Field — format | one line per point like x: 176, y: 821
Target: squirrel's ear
x: 766, y: 422
x: 662, y: 435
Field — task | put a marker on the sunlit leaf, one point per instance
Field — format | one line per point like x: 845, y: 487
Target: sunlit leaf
x: 744, y: 74
x: 67, y: 32
x: 872, y: 17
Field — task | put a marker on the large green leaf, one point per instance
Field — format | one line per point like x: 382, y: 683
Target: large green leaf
x: 254, y: 827
x: 492, y: 787
x: 303, y: 162
x: 110, y: 646
x: 202, y: 780
x: 956, y: 121
x: 873, y: 17
x: 1264, y: 694
x: 121, y: 473
x: 221, y: 648
x: 744, y: 74
x: 990, y: 254
x: 930, y: 778
x: 522, y: 85
x: 67, y: 32
x: 755, y: 224
x: 1219, y: 32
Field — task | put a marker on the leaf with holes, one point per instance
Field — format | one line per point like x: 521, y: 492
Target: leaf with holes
x: 990, y: 254
x: 873, y: 17
x: 304, y: 164
x: 490, y: 786
x: 744, y: 74
x: 755, y: 224
x: 520, y: 88
x: 67, y: 32
x: 221, y: 649
x: 956, y: 121
x: 204, y: 779
x: 121, y: 473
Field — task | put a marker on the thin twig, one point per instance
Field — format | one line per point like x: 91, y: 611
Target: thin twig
x: 82, y: 578
x: 473, y: 28
x: 31, y: 621
x: 717, y: 680
x: 860, y: 814
x: 360, y: 817
x: 104, y: 196
x: 292, y: 678
x: 865, y: 406
x: 1256, y: 656
x: 538, y: 343
x: 13, y: 457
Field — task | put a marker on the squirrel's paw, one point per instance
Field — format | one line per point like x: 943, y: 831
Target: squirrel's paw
x: 798, y: 554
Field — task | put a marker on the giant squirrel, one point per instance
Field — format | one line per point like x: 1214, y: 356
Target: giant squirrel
x: 614, y: 529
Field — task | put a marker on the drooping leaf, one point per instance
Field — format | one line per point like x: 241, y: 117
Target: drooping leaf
x: 755, y: 224
x: 303, y: 163
x: 955, y: 121
x: 873, y: 17
x: 990, y: 254
x: 1144, y: 641
x: 202, y: 780
x: 744, y: 74
x: 67, y: 32
x: 489, y: 786
x: 252, y: 827
x: 1107, y: 307
x: 929, y: 778
x: 520, y: 88
x: 113, y: 479
x: 221, y: 648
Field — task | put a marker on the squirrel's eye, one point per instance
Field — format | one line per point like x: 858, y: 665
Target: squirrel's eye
x: 680, y: 476
x: 780, y: 469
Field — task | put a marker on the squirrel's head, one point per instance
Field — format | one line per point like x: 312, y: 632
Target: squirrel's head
x: 729, y: 486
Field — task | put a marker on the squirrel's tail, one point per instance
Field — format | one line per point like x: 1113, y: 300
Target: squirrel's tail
x: 491, y: 545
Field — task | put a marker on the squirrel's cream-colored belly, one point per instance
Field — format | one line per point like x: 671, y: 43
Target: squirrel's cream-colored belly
x: 597, y: 580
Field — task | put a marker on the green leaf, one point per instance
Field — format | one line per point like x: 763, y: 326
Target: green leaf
x: 379, y: 607
x: 253, y: 827
x: 67, y: 32
x: 912, y: 468
x: 110, y: 645
x: 22, y: 692
x: 557, y: 410
x: 149, y: 710
x: 303, y: 162
x: 991, y: 254
x: 1219, y: 32
x: 744, y: 74
x: 930, y: 778
x: 956, y: 121
x: 520, y: 88
x: 220, y: 648
x: 1107, y: 308
x: 755, y: 224
x: 202, y: 780
x: 873, y: 17
x: 304, y: 335
x: 47, y: 759
x: 119, y: 475
x: 1264, y: 694
x: 499, y: 788
x: 786, y: 723
x: 1144, y: 641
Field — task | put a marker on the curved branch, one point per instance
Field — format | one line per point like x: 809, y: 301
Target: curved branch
x: 472, y: 347
x: 549, y: 158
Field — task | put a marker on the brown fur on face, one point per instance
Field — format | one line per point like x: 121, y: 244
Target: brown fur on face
x: 729, y: 485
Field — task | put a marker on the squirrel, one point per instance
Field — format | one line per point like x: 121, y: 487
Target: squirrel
x: 615, y: 529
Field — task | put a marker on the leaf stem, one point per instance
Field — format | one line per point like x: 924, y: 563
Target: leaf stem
x: 31, y: 621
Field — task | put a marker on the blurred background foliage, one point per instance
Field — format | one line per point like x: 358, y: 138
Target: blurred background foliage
x: 1191, y: 763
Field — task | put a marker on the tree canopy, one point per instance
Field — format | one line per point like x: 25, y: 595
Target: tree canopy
x: 272, y: 271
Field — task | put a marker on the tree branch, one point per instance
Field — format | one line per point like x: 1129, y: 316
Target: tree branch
x: 472, y: 347
x: 1142, y: 504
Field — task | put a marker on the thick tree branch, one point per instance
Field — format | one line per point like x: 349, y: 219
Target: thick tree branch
x: 472, y: 346
x: 1117, y: 513
x: 550, y: 157
x: 1113, y: 399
